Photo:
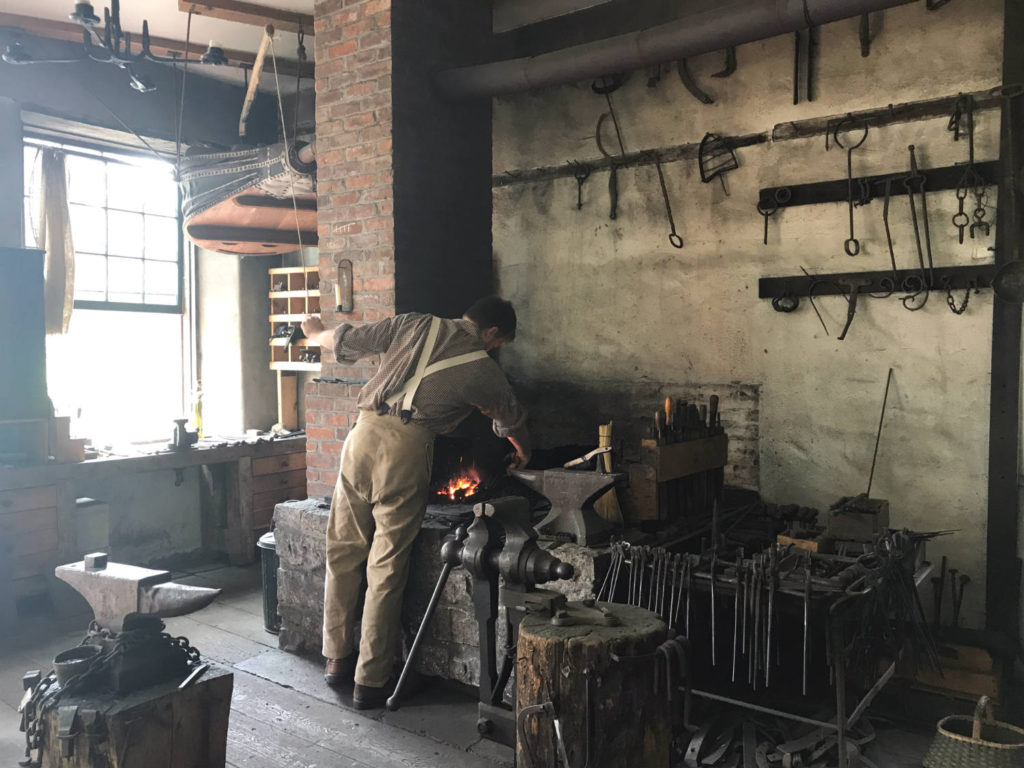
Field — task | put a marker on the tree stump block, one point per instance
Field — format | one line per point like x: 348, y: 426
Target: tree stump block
x: 628, y: 718
x: 157, y: 727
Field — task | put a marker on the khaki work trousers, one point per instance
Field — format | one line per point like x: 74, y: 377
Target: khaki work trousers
x: 376, y: 512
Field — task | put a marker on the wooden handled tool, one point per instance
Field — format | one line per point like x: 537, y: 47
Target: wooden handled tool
x: 254, y: 77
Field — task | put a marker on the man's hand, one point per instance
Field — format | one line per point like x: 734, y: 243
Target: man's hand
x: 520, y: 458
x: 316, y: 333
x: 312, y: 325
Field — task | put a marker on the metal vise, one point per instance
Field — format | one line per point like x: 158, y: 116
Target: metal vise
x: 572, y: 494
x: 500, y: 542
x: 116, y: 591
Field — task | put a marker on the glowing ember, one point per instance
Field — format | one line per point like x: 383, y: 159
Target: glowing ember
x: 460, y: 488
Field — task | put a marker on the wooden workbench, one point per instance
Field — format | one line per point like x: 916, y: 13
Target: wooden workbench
x: 37, y: 502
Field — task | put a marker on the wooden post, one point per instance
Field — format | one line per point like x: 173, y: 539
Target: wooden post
x: 629, y: 720
x: 288, y: 401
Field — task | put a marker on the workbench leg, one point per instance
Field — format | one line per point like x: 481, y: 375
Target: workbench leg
x: 239, y: 537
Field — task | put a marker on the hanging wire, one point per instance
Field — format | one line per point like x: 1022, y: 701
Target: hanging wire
x: 301, y: 55
x: 102, y: 103
x: 284, y: 138
x: 181, y: 101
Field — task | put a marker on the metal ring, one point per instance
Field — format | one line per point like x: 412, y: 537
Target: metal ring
x: 676, y: 240
x: 840, y: 124
x: 854, y: 249
x: 787, y: 303
x: 961, y: 216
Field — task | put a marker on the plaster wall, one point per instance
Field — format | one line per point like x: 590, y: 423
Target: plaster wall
x: 239, y: 389
x: 613, y: 305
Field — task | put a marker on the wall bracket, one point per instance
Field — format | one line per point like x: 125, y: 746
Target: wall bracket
x: 868, y: 188
x: 883, y: 281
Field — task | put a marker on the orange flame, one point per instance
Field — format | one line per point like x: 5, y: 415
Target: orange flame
x: 460, y: 487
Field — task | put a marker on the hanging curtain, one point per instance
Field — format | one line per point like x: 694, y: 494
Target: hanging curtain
x: 54, y: 236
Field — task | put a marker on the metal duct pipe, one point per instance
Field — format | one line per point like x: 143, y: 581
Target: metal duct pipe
x: 720, y: 27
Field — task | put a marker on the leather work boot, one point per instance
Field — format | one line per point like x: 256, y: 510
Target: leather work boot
x: 340, y: 671
x: 370, y: 696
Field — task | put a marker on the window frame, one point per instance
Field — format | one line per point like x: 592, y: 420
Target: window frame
x: 108, y: 155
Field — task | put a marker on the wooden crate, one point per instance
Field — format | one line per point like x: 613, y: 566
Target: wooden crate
x: 654, y: 479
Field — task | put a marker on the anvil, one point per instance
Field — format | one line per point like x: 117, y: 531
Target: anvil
x: 572, y: 495
x: 116, y: 591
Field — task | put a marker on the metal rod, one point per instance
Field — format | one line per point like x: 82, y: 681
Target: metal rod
x: 395, y: 699
x: 878, y: 435
x: 764, y: 710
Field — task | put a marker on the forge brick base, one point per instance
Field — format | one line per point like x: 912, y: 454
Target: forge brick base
x: 450, y: 648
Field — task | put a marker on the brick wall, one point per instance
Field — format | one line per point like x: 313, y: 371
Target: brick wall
x: 355, y: 202
x: 404, y: 182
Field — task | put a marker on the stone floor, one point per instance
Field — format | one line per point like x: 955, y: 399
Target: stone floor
x: 282, y: 713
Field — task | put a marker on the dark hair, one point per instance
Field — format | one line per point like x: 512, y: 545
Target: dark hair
x: 494, y: 312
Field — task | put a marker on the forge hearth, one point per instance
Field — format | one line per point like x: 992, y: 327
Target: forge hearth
x: 450, y: 648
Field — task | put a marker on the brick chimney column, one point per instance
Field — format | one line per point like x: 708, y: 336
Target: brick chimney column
x: 355, y: 208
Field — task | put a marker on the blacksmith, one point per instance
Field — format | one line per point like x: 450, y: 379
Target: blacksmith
x: 433, y: 372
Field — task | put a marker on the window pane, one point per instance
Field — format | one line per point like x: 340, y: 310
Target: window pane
x: 124, y: 234
x: 161, y: 238
x: 88, y: 228
x: 124, y: 276
x: 161, y: 279
x: 161, y: 194
x: 126, y: 186
x: 102, y: 400
x: 90, y: 277
x: 86, y: 180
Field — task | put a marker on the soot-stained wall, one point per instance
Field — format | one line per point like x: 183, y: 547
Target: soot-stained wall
x: 611, y: 309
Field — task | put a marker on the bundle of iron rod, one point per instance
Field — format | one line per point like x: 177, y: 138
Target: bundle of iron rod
x: 670, y: 584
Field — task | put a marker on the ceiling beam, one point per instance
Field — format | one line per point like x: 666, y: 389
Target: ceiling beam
x: 161, y: 46
x: 250, y: 13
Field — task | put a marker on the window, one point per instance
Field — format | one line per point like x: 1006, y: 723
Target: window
x: 121, y: 375
x: 125, y: 226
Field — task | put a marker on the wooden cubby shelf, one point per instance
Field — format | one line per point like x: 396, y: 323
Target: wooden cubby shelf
x: 294, y: 293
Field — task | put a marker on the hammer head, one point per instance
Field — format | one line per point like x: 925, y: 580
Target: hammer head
x: 116, y: 591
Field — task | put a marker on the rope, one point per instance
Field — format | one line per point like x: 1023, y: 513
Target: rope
x: 284, y: 137
x: 181, y: 104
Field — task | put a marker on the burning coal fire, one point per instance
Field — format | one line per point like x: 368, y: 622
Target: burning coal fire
x: 460, y: 487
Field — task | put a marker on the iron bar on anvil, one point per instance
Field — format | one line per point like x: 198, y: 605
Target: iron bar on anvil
x: 867, y: 188
x: 954, y: 278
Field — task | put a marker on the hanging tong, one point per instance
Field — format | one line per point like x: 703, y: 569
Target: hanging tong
x: 609, y: 84
x: 674, y: 238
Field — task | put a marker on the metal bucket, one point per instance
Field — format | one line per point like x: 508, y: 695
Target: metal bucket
x: 74, y: 662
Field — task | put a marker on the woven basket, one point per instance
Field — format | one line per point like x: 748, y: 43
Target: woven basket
x: 976, y: 742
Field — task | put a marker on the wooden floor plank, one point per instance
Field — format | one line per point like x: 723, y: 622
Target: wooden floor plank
x: 345, y: 732
x: 251, y: 744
